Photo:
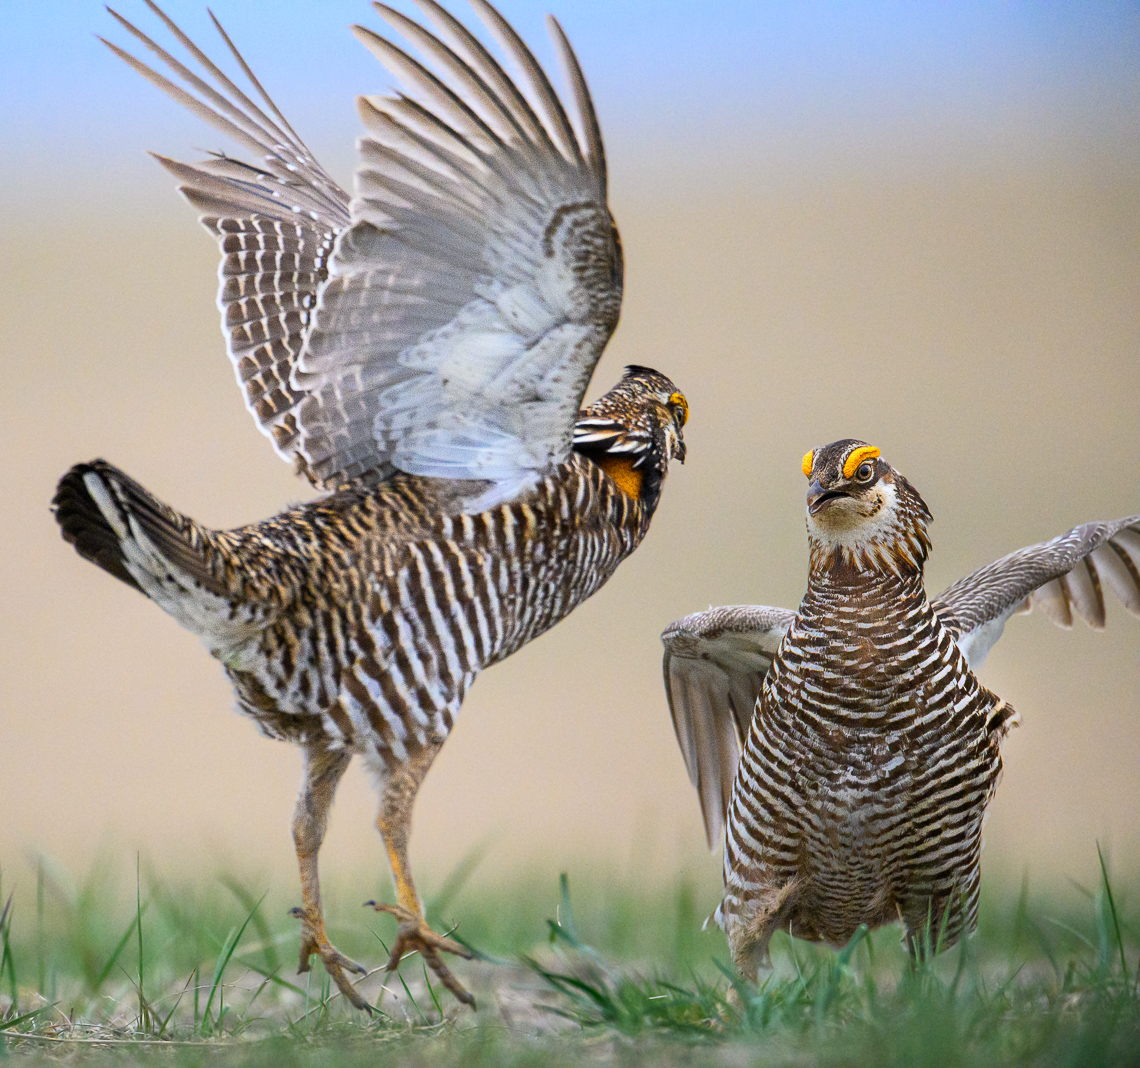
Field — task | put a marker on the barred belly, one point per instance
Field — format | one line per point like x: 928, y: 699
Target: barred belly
x: 383, y: 642
x: 866, y: 772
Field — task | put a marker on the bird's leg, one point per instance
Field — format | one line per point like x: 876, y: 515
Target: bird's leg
x: 323, y: 771
x: 765, y: 913
x: 395, y: 822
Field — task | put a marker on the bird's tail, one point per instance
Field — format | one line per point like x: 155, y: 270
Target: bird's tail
x: 125, y: 529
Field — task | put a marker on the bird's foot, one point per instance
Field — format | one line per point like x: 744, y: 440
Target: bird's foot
x: 314, y: 940
x: 414, y: 935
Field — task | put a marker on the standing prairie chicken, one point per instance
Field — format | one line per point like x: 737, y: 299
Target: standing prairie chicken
x: 847, y: 749
x: 420, y: 351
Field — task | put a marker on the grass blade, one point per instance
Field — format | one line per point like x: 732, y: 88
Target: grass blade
x: 1112, y: 912
x: 227, y: 952
x: 7, y: 961
x: 7, y: 1025
x: 101, y: 978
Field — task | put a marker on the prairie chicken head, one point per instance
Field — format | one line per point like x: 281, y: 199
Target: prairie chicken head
x: 861, y: 513
x: 634, y: 431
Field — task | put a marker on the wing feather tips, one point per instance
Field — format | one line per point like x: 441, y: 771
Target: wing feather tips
x: 1063, y: 577
x: 707, y: 752
x: 595, y: 152
x: 549, y: 106
x: 714, y: 668
x: 465, y: 186
x: 1121, y: 573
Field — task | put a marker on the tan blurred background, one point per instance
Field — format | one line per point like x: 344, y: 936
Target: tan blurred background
x: 968, y: 301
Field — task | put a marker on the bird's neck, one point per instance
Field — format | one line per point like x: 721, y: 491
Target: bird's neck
x: 897, y: 548
x: 627, y: 454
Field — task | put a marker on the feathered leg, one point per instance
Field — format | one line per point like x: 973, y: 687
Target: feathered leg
x: 397, y: 797
x: 750, y: 931
x: 323, y: 771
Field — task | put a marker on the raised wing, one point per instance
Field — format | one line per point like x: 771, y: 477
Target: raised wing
x: 275, y: 223
x: 1063, y: 577
x: 480, y: 279
x: 714, y: 666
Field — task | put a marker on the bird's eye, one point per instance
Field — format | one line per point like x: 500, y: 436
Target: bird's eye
x: 864, y: 472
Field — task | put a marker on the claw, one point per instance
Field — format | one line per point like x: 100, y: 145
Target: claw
x: 414, y: 935
x: 314, y: 940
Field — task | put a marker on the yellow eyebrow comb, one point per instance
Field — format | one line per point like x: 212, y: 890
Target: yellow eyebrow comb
x: 864, y: 452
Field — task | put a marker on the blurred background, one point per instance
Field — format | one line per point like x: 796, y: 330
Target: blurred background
x: 915, y: 224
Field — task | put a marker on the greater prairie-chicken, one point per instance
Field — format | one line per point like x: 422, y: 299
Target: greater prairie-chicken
x: 848, y: 750
x: 420, y: 351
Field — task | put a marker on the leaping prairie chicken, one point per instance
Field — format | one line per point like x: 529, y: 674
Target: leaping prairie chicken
x: 420, y: 351
x: 848, y: 749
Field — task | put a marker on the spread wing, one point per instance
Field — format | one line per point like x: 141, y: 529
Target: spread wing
x: 472, y: 296
x: 275, y: 223
x: 446, y: 322
x: 1063, y: 577
x: 714, y: 666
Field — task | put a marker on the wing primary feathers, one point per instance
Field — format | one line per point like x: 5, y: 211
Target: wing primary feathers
x: 187, y: 100
x: 547, y: 99
x: 385, y: 124
x: 479, y: 238
x: 267, y: 124
x: 377, y: 154
x: 465, y: 41
x: 1063, y: 577
x: 591, y: 130
x: 297, y: 143
x: 441, y: 94
x: 714, y: 666
x: 448, y: 60
x: 244, y: 121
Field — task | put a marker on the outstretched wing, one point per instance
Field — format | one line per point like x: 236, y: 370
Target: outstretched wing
x: 447, y: 322
x: 275, y: 223
x: 714, y: 666
x: 1063, y: 576
x: 472, y: 296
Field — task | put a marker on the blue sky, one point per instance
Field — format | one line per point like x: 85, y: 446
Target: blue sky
x: 802, y: 73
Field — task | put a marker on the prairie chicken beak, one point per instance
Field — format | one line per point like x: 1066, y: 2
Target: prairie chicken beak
x: 818, y: 497
x: 679, y: 450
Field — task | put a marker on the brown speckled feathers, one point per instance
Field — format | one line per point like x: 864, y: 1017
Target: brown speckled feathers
x: 421, y: 351
x: 848, y: 750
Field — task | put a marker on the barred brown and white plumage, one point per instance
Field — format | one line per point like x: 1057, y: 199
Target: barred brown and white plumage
x: 421, y: 353
x: 848, y: 750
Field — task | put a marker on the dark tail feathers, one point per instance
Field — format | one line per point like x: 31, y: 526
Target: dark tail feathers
x: 101, y: 511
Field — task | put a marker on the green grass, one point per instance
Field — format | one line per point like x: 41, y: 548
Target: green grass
x: 125, y: 965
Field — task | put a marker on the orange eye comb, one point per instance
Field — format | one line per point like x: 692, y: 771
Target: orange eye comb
x: 679, y: 400
x: 808, y: 457
x: 864, y: 452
